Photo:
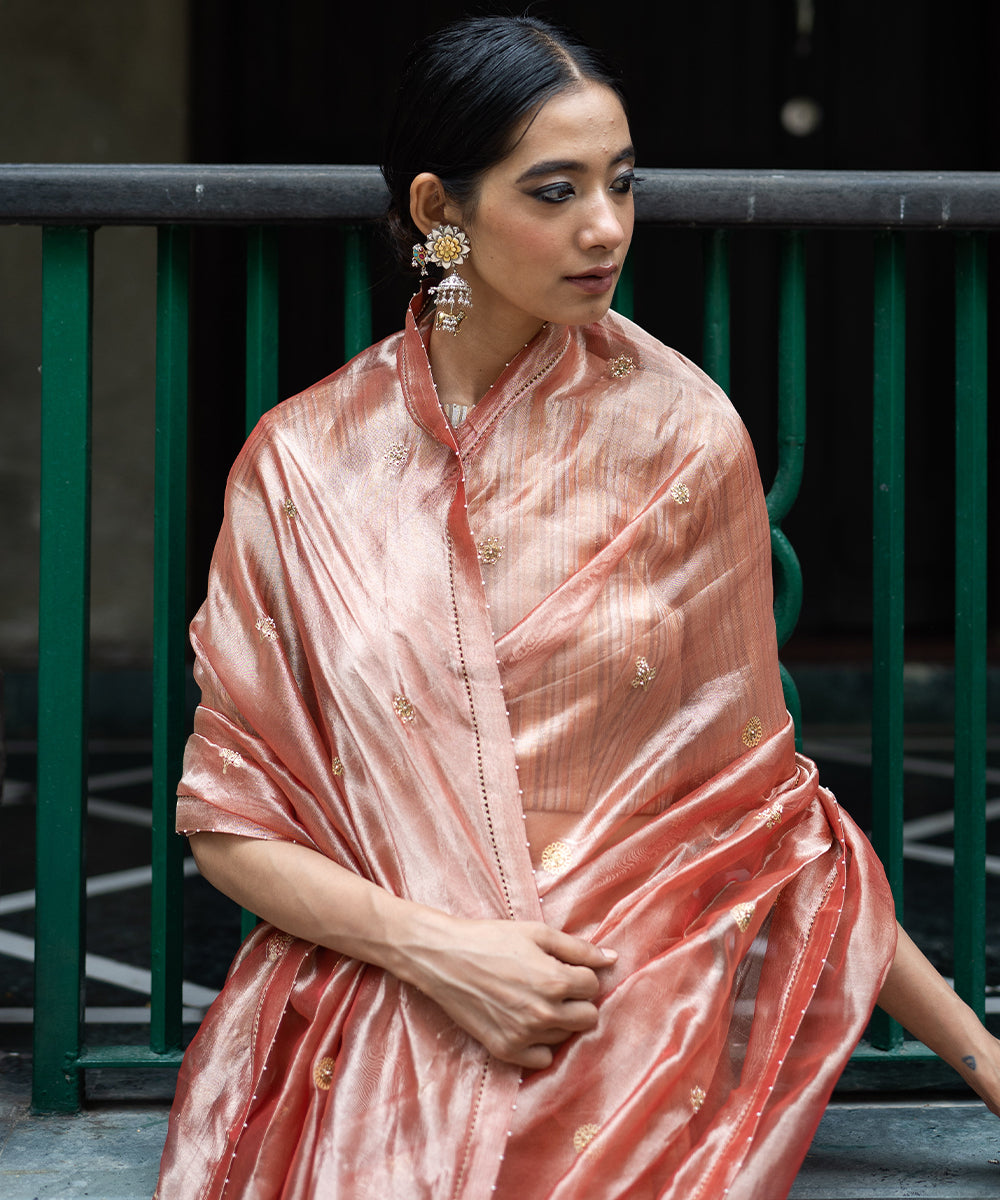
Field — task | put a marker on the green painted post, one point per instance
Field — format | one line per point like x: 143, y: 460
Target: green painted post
x: 791, y: 452
x: 970, y: 619
x: 169, y: 632
x: 63, y: 636
x: 262, y: 323
x: 715, y: 326
x: 357, y: 293
x: 888, y: 447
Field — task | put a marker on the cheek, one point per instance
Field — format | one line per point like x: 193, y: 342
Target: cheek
x: 534, y: 250
x: 513, y: 240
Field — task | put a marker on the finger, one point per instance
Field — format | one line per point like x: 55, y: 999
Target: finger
x: 556, y: 1034
x: 533, y: 1058
x: 581, y: 984
x: 573, y: 950
x: 576, y: 1015
x: 560, y: 1023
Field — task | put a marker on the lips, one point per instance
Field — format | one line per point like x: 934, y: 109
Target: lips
x: 595, y: 281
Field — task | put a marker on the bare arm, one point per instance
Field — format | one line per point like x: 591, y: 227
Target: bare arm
x: 923, y: 1003
x: 518, y: 987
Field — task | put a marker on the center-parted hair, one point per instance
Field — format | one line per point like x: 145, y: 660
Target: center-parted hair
x: 464, y: 92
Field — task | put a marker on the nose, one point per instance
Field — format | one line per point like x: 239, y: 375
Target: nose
x: 608, y: 224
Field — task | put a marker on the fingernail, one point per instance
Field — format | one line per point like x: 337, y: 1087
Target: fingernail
x: 610, y: 955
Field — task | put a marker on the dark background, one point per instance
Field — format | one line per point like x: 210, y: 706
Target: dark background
x: 898, y: 86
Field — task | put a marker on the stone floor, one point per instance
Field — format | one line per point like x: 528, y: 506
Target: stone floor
x: 948, y: 1150
x: 938, y: 1150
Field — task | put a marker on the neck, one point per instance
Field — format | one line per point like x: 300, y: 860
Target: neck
x: 467, y: 364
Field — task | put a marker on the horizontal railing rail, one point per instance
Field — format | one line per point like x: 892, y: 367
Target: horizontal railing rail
x: 148, y: 194
x: 70, y: 202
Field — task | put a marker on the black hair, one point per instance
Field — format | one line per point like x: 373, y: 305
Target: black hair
x: 463, y: 93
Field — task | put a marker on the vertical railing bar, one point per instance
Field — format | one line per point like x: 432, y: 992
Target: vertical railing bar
x: 169, y: 633
x: 64, y: 632
x: 357, y: 292
x: 715, y: 326
x: 262, y: 323
x: 791, y: 452
x: 888, y: 448
x: 970, y: 618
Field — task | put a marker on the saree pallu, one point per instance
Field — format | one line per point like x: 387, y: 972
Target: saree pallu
x: 414, y: 635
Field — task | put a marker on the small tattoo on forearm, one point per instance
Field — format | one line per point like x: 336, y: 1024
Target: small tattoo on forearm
x: 970, y: 1062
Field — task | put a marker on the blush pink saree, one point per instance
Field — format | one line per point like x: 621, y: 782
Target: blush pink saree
x: 413, y: 634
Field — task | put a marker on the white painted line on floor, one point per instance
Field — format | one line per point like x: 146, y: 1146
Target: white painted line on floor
x: 102, y: 1015
x: 14, y: 791
x: 114, y: 810
x: 96, y: 966
x: 943, y: 856
x: 942, y: 822
x: 97, y: 885
x: 927, y: 743
x: 913, y: 764
x: 124, y: 778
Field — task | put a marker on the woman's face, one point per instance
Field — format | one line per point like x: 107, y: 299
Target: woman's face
x: 553, y: 220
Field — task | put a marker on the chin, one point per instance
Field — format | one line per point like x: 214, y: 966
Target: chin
x: 595, y: 309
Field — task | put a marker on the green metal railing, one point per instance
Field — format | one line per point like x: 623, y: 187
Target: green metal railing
x: 69, y: 202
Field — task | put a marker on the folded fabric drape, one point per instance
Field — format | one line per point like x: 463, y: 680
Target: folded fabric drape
x: 415, y: 634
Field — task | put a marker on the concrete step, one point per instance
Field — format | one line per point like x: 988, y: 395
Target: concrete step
x: 935, y: 1150
x: 948, y: 1150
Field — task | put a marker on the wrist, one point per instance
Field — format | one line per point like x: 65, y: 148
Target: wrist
x: 411, y: 930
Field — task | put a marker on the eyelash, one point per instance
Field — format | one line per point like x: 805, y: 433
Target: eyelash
x: 630, y: 178
x: 556, y: 193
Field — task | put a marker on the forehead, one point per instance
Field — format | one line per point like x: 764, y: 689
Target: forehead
x: 586, y: 124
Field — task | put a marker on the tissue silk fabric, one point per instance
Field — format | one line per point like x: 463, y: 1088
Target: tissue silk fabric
x: 415, y: 634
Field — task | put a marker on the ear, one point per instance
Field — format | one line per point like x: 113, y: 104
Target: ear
x: 428, y: 202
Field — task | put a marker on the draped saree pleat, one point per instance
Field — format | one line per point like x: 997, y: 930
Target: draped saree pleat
x: 414, y: 635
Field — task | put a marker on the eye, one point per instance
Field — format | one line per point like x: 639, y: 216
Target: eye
x: 555, y: 193
x: 625, y: 182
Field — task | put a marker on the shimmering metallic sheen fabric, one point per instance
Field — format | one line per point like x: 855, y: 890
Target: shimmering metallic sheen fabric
x: 382, y: 683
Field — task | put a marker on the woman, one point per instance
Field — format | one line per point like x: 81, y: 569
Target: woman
x: 492, y: 734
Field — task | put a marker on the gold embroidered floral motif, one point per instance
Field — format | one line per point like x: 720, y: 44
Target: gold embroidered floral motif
x: 490, y: 550
x: 772, y: 814
x: 230, y: 758
x: 644, y: 674
x: 336, y: 766
x: 621, y: 366
x: 743, y: 914
x: 680, y: 493
x: 697, y: 1097
x: 267, y: 629
x: 583, y: 1136
x: 395, y: 456
x: 323, y: 1073
x: 289, y: 507
x: 403, y: 708
x: 753, y: 731
x: 555, y: 857
x: 277, y: 944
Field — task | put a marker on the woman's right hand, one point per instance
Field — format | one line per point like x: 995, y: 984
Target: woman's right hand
x: 518, y: 987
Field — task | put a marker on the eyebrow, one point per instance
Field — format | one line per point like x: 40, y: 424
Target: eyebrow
x: 553, y: 166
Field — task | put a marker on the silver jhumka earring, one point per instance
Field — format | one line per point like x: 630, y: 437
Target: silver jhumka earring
x: 448, y: 246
